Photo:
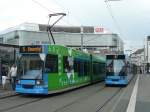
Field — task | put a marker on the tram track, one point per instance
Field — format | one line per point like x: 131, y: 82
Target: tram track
x: 98, y: 94
x: 107, y: 97
x: 17, y: 106
x: 94, y: 90
x: 9, y: 96
x: 80, y: 99
x: 98, y: 109
x: 18, y: 96
x: 121, y: 93
x: 23, y: 103
x: 64, y: 108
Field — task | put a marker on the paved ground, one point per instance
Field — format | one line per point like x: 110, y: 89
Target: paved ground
x: 94, y: 98
x: 120, y: 102
x: 6, y: 92
x: 143, y: 96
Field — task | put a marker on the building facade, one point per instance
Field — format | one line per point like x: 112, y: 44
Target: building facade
x: 147, y: 53
x: 36, y: 34
x: 137, y: 58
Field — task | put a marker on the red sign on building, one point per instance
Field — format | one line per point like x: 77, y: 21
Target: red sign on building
x: 99, y: 30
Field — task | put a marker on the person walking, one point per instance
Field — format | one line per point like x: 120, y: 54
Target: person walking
x: 13, y: 75
x: 4, y: 77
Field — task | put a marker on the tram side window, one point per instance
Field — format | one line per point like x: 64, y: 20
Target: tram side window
x: 102, y: 68
x: 86, y: 68
x: 68, y: 64
x: 75, y: 66
x: 82, y: 67
x: 65, y: 63
x: 96, y: 68
x: 79, y: 67
x: 51, y: 64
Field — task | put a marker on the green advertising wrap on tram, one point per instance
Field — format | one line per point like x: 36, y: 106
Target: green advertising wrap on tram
x: 59, y: 69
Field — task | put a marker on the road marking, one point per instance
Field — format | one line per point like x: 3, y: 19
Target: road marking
x: 132, y: 103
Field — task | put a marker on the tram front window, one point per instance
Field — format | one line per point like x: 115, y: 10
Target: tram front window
x: 109, y: 66
x: 119, y: 67
x: 115, y: 67
x: 32, y: 67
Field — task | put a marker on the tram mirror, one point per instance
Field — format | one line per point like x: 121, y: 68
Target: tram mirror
x: 42, y: 56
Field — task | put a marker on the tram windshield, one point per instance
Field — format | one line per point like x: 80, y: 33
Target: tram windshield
x: 31, y: 66
x: 116, y: 67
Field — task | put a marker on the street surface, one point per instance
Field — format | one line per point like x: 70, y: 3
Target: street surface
x: 93, y: 98
x: 143, y: 96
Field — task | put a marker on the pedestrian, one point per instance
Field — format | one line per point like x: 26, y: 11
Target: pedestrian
x: 13, y: 75
x: 4, y: 77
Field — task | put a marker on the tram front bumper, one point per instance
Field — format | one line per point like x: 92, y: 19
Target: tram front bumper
x: 35, y: 90
x: 119, y: 82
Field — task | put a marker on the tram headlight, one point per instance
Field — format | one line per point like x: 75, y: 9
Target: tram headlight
x: 39, y: 82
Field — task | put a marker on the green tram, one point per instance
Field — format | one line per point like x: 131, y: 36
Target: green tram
x: 46, y: 69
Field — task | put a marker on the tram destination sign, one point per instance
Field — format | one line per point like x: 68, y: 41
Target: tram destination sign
x: 30, y: 49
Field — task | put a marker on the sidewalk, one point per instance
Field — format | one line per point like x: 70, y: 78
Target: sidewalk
x: 7, y: 92
x: 143, y: 95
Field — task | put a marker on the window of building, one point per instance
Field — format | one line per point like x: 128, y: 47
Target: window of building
x: 1, y: 39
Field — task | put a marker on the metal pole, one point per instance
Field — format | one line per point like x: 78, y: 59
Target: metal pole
x: 147, y: 57
x: 144, y: 63
x: 81, y: 38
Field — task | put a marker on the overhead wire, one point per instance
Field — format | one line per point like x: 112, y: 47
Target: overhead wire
x: 41, y: 5
x: 86, y: 41
x: 67, y: 11
x: 47, y: 9
x: 44, y: 7
x: 113, y: 18
x: 121, y: 34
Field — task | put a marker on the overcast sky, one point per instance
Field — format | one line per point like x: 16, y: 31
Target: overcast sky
x: 132, y: 16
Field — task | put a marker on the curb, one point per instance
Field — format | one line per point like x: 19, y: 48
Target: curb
x: 7, y: 94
